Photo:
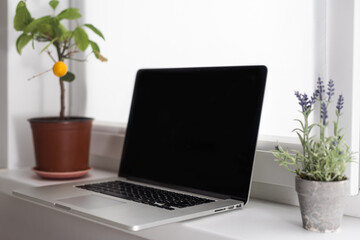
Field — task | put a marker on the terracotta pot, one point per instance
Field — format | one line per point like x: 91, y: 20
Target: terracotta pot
x: 61, y: 145
x: 321, y: 204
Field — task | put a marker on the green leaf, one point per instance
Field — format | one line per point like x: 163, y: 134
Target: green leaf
x: 21, y: 42
x: 301, y: 123
x: 95, y: 30
x: 48, y: 45
x: 54, y: 3
x: 69, y: 77
x: 297, y: 129
x: 70, y: 13
x: 95, y: 48
x: 66, y: 36
x: 46, y: 29
x: 301, y: 139
x: 81, y: 38
x: 33, y: 26
x: 22, y: 17
x: 311, y: 127
x: 59, y: 29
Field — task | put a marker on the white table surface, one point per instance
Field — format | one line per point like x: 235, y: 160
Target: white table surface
x: 259, y: 219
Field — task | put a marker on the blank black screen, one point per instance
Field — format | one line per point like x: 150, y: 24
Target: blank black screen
x: 195, y: 128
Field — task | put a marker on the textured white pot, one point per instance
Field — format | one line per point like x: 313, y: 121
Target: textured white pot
x: 321, y: 204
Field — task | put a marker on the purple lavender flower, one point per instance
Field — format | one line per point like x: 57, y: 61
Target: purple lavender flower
x: 304, y: 101
x: 323, y: 113
x: 277, y: 148
x: 316, y: 94
x: 320, y: 88
x: 340, y: 103
x: 331, y: 89
x: 313, y: 98
x: 301, y: 101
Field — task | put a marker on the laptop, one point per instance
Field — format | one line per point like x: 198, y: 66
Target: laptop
x: 188, y: 151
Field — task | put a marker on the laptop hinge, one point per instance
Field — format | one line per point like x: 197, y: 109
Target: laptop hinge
x: 238, y: 198
x: 180, y: 188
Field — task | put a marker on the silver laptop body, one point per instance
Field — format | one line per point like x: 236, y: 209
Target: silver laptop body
x: 191, y: 131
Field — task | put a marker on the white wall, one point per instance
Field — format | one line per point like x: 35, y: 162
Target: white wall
x: 26, y: 99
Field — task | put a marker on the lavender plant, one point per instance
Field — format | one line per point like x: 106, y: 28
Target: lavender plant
x: 323, y: 158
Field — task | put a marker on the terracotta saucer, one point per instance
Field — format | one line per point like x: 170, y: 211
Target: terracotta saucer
x: 61, y: 175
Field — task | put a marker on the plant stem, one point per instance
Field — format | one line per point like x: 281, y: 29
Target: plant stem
x: 322, y: 126
x: 62, y: 99
x: 49, y: 53
x: 37, y: 75
x: 62, y: 86
x: 306, y: 134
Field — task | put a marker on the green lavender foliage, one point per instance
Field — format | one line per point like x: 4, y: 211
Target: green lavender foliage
x: 323, y: 158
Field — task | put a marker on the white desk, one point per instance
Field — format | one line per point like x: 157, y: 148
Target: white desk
x: 20, y: 219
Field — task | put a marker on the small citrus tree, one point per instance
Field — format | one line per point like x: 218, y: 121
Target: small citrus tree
x: 66, y: 42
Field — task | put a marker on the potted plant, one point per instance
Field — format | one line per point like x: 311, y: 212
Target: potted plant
x: 61, y: 143
x: 320, y: 167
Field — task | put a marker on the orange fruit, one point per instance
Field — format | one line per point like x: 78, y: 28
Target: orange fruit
x: 60, y: 69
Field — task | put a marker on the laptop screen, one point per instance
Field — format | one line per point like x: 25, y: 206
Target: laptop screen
x: 195, y: 128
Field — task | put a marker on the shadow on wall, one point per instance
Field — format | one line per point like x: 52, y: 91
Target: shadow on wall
x: 23, y: 154
x: 105, y: 151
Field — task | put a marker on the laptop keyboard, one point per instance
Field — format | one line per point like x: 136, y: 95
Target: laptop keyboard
x: 147, y: 195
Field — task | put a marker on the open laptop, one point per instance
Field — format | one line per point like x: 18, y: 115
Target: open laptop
x: 188, y: 152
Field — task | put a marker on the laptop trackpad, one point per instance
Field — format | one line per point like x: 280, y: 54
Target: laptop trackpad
x: 91, y: 202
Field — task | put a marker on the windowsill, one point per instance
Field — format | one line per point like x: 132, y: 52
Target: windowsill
x: 275, y: 220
